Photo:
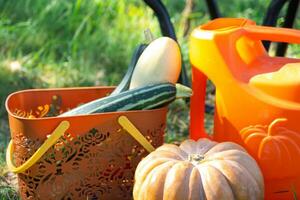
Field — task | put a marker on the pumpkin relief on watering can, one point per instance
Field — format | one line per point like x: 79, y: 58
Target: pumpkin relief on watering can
x: 275, y: 147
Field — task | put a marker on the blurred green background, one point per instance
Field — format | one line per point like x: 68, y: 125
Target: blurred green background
x: 85, y: 43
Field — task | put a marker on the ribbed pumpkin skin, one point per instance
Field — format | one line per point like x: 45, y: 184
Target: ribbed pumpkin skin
x: 225, y: 172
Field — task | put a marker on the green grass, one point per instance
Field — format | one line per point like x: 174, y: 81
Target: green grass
x: 84, y: 43
x: 8, y: 193
x: 295, y: 196
x: 7, y: 190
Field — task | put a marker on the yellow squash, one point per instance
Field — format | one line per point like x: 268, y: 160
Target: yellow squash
x: 160, y: 62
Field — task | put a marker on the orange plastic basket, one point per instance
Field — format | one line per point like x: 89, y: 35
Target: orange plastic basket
x: 94, y: 159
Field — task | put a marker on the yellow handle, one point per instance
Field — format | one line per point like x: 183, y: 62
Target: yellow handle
x: 56, y: 134
x: 135, y: 133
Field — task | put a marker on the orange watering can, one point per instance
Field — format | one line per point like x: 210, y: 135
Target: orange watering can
x: 257, y: 97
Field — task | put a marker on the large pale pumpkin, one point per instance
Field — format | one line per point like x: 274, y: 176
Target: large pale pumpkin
x: 198, y: 170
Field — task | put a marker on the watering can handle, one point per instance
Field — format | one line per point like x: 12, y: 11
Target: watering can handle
x: 273, y: 34
x: 56, y: 134
x: 197, y: 104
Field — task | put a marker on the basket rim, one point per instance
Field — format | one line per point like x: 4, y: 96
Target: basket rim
x: 10, y: 113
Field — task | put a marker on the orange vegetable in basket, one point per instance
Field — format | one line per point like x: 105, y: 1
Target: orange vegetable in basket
x: 198, y: 170
x: 274, y: 145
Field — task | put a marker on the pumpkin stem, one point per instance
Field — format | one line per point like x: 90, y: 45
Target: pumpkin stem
x: 270, y: 128
x: 195, y: 158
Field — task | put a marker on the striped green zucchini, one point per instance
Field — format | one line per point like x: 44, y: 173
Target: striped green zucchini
x: 143, y: 98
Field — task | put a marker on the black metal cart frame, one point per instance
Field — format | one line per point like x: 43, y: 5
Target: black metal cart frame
x: 270, y: 19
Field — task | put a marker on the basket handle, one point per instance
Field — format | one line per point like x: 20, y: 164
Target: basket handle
x: 56, y: 134
x: 135, y: 133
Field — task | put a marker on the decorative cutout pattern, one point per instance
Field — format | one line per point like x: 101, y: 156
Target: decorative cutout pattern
x: 39, y: 112
x: 96, y: 165
x: 47, y: 110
